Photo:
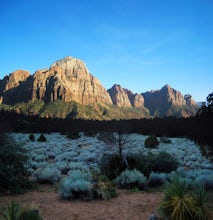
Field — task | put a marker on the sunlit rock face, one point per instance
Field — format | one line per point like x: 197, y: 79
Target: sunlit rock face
x: 67, y: 79
x: 169, y: 102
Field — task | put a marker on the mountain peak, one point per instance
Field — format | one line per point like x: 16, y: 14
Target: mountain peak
x: 70, y: 63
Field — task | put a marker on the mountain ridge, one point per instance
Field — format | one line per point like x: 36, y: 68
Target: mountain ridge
x: 69, y: 80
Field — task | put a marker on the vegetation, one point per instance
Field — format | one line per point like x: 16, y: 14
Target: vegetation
x: 13, y: 166
x: 42, y: 138
x: 14, y: 211
x: 86, y: 186
x: 182, y: 203
x: 151, y: 142
x: 130, y: 179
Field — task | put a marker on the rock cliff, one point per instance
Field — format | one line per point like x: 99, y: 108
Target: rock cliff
x: 125, y: 98
x: 67, y: 79
x: 169, y: 102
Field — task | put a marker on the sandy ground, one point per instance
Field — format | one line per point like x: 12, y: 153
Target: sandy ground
x: 126, y: 206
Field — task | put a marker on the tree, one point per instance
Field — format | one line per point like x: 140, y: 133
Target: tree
x: 13, y: 166
x: 207, y: 108
x: 209, y: 100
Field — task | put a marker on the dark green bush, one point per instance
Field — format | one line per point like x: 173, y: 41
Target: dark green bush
x: 113, y: 165
x: 31, y: 137
x: 42, y: 138
x: 13, y: 166
x: 161, y: 162
x: 151, y: 142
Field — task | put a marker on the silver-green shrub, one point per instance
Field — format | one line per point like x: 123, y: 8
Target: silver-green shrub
x: 78, y: 184
x: 131, y: 178
x: 46, y: 175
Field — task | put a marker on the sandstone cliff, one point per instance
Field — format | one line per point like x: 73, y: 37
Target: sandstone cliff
x: 67, y: 79
x: 125, y: 98
x: 169, y: 102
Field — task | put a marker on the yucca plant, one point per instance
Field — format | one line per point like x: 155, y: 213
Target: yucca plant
x: 200, y: 198
x: 177, y: 203
x: 12, y: 211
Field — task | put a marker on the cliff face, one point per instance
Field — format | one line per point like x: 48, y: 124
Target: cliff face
x: 169, y: 102
x: 67, y: 79
x: 125, y: 98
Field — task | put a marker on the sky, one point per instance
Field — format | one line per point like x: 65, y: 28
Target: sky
x: 139, y: 44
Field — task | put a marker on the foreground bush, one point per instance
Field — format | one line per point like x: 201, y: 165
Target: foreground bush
x: 14, y: 211
x: 14, y: 164
x: 129, y: 179
x: 83, y: 185
x: 151, y: 142
x: 182, y: 203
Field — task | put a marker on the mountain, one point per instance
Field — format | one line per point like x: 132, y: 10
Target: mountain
x: 169, y: 102
x: 67, y: 89
x: 125, y: 98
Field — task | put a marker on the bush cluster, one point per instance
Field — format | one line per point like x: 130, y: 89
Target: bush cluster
x: 83, y: 185
x: 162, y: 162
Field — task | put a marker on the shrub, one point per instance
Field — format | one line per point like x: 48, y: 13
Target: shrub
x: 103, y: 187
x: 161, y: 162
x: 83, y: 185
x: 77, y: 185
x: 31, y: 137
x: 182, y: 203
x: 46, y: 175
x: 14, y: 164
x: 42, y: 138
x: 129, y: 179
x: 113, y: 165
x: 157, y: 179
x: 151, y: 142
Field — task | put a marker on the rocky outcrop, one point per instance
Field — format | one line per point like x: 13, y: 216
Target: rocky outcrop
x: 67, y: 79
x: 125, y: 98
x: 119, y: 96
x: 169, y: 102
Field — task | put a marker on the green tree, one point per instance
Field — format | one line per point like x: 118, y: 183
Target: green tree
x: 13, y: 166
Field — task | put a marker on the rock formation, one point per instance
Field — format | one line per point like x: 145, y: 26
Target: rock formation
x: 69, y: 80
x: 125, y: 98
x: 169, y: 102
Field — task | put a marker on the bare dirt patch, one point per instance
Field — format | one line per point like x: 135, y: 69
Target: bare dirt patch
x: 126, y: 206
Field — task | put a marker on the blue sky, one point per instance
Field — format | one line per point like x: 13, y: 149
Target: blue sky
x: 139, y: 44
